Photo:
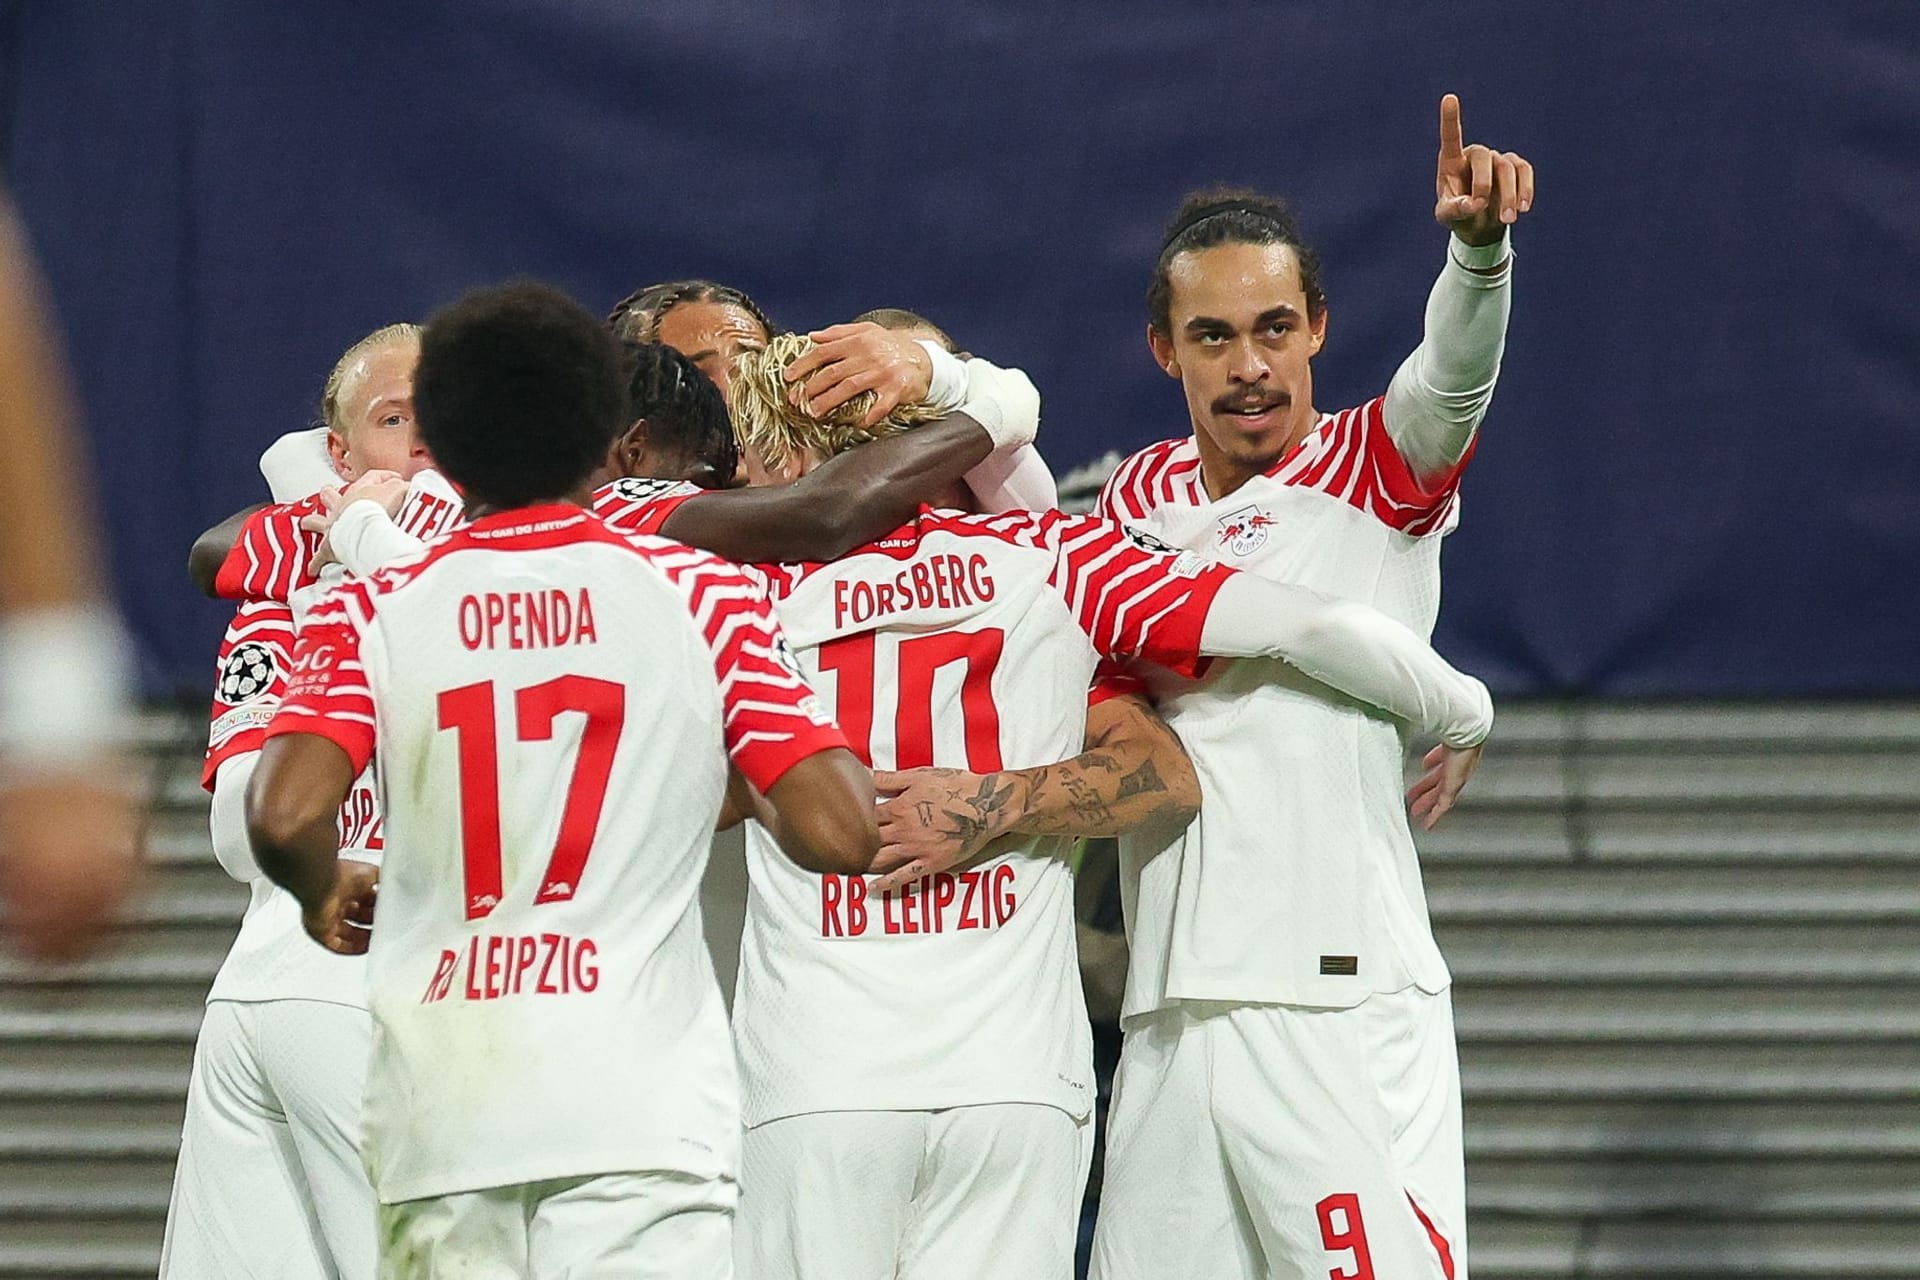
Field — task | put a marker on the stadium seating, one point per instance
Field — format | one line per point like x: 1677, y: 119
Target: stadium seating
x: 1687, y: 947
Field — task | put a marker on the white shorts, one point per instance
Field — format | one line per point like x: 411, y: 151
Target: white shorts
x: 618, y: 1226
x: 1275, y: 1141
x: 991, y: 1190
x: 269, y: 1181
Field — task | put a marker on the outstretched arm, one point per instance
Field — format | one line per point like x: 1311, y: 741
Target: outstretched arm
x: 1349, y: 647
x: 1440, y: 394
x: 854, y: 498
x: 1134, y: 773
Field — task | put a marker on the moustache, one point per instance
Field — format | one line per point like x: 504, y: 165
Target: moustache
x: 1251, y: 401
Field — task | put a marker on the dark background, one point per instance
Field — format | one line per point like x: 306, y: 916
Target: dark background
x: 1700, y: 473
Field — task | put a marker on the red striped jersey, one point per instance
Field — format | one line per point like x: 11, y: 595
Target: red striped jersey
x: 249, y: 679
x: 273, y: 556
x: 272, y: 958
x: 638, y: 504
x: 554, y: 706
x: 1349, y: 455
x: 1298, y: 883
x: 963, y: 641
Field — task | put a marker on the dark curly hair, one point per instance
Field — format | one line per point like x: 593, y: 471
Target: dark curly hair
x: 1230, y: 215
x: 519, y: 393
x: 636, y: 317
x: 684, y: 413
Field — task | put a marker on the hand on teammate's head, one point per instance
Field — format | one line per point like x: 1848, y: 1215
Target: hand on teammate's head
x: 848, y: 359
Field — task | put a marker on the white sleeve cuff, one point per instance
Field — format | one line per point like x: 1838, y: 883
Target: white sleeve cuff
x: 1004, y: 402
x: 947, y: 384
x: 1478, y: 258
x: 365, y: 539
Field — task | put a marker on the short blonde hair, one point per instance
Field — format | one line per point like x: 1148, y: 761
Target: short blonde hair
x: 765, y: 421
x: 330, y: 398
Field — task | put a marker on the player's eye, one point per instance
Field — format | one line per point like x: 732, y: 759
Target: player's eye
x: 393, y: 420
x: 1212, y: 339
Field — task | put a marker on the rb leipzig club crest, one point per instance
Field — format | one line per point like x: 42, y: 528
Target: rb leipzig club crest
x: 1244, y: 532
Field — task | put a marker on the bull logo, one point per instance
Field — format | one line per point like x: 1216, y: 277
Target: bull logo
x: 1244, y: 532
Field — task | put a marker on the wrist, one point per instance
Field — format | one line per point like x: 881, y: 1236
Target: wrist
x: 1020, y: 803
x: 1481, y: 258
x: 946, y: 377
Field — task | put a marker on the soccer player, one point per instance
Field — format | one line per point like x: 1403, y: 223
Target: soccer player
x: 555, y: 707
x: 1288, y: 1098
x: 917, y: 1063
x: 269, y: 1179
x: 67, y: 828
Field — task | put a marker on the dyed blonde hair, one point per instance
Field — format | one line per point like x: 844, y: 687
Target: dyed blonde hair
x: 330, y: 398
x: 766, y: 422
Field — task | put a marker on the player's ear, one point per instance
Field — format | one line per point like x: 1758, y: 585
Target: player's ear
x: 1161, y: 345
x: 629, y: 451
x: 1317, y: 329
x: 337, y: 452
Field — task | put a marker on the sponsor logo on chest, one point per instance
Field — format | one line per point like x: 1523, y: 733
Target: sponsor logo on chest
x: 1244, y: 531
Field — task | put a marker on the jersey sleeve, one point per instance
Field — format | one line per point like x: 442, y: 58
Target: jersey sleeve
x: 1363, y: 465
x: 327, y: 691
x: 250, y: 680
x: 641, y: 505
x: 272, y: 555
x: 1117, y: 501
x: 771, y: 717
x: 1135, y: 596
x: 1113, y: 680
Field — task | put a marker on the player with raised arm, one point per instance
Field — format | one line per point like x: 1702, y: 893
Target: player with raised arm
x: 917, y: 1063
x: 1288, y: 1098
x: 555, y: 707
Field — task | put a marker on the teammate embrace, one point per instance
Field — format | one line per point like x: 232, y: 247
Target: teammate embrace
x: 546, y: 700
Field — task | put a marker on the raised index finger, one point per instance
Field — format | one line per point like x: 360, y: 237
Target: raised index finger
x: 1450, y: 142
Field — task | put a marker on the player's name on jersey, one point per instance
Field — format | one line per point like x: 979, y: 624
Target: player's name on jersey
x: 426, y: 514
x: 944, y: 902
x: 494, y: 966
x: 546, y: 619
x: 931, y: 582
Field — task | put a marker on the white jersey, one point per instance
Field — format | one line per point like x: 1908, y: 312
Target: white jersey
x: 553, y: 705
x: 1298, y: 882
x: 271, y: 566
x: 272, y: 958
x: 965, y: 641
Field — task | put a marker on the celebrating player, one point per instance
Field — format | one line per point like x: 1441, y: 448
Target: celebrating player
x: 917, y: 1063
x: 269, y: 1179
x: 1288, y: 1099
x: 555, y: 706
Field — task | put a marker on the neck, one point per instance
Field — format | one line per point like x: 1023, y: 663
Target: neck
x: 581, y: 495
x: 1223, y: 475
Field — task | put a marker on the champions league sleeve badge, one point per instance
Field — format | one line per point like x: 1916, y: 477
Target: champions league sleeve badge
x: 249, y: 672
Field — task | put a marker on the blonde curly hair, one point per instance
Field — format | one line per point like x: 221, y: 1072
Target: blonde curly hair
x: 765, y: 421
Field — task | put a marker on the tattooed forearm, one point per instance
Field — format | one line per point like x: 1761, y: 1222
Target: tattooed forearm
x: 1134, y: 774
